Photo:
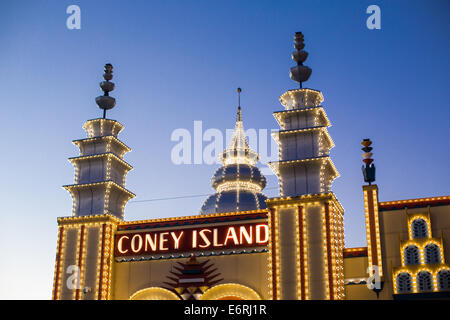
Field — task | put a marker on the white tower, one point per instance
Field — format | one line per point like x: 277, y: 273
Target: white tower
x: 100, y: 170
x: 304, y: 165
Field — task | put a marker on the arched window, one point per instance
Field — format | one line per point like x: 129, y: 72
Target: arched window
x: 432, y: 254
x: 404, y: 282
x: 411, y: 255
x: 424, y: 281
x: 419, y: 229
x: 443, y: 280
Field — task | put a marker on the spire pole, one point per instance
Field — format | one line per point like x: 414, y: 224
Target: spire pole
x: 239, y: 116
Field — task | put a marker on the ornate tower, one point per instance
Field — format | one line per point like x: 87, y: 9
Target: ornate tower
x: 100, y: 170
x: 84, y: 251
x: 304, y: 165
x: 238, y: 183
x: 306, y: 222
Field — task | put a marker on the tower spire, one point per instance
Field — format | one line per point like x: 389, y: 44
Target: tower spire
x: 106, y: 102
x: 300, y: 73
x: 239, y: 115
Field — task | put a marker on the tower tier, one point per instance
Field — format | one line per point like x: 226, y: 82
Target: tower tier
x: 301, y: 98
x: 305, y: 143
x: 305, y: 176
x: 104, y: 144
x: 100, y: 167
x: 302, y: 118
x: 98, y: 198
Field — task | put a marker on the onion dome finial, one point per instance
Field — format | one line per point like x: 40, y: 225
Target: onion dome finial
x: 369, y: 168
x: 300, y: 73
x: 106, y: 102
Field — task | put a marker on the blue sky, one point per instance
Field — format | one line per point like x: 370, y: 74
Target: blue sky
x: 180, y: 61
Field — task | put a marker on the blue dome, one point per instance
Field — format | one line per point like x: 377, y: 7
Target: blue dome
x: 238, y: 172
x: 232, y: 201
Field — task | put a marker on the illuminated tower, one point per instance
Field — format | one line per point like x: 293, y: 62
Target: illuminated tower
x: 304, y: 165
x: 306, y: 222
x: 238, y: 183
x: 85, y: 240
x: 100, y: 170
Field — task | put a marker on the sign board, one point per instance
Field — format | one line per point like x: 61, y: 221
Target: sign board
x: 188, y: 239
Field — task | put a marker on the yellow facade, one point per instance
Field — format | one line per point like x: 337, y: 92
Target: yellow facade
x: 303, y: 259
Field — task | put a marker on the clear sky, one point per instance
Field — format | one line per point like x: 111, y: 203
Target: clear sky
x: 180, y: 61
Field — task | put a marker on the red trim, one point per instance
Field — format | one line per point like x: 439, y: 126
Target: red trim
x: 329, y: 253
x: 100, y: 280
x: 80, y: 260
x: 274, y: 254
x: 302, y: 251
x: 58, y: 264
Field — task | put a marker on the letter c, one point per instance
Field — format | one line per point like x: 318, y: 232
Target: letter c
x: 119, y: 244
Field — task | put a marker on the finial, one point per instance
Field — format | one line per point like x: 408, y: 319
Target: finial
x: 106, y: 102
x: 239, y: 116
x: 369, y: 168
x: 299, y: 73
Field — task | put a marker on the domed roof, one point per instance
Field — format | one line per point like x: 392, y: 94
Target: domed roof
x: 232, y: 201
x: 238, y: 172
x: 238, y: 183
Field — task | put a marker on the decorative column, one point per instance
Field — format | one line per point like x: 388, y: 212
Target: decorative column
x: 371, y: 209
x: 84, y: 253
x: 308, y: 240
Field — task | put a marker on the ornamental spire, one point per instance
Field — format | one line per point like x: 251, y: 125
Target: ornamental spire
x: 238, y: 151
x: 106, y: 102
x: 238, y: 183
x: 300, y: 73
x: 369, y: 168
x: 239, y: 116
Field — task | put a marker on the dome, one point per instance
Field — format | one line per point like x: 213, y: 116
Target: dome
x: 238, y: 183
x: 232, y: 201
x: 239, y: 172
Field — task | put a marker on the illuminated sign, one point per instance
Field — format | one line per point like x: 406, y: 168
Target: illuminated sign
x: 192, y: 239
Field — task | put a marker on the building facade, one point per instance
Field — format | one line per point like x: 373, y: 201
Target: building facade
x: 243, y: 245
